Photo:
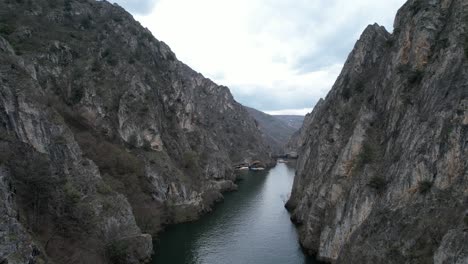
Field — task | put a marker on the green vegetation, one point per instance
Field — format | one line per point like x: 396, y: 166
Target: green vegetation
x: 190, y: 160
x: 67, y: 5
x: 76, y: 95
x: 72, y: 196
x: 33, y: 183
x: 368, y: 154
x: 424, y: 186
x: 111, y: 158
x: 360, y: 86
x: 103, y: 188
x: 6, y: 29
x: 415, y: 76
x: 116, y: 252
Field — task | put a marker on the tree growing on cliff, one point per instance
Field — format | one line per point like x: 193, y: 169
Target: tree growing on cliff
x: 34, y: 185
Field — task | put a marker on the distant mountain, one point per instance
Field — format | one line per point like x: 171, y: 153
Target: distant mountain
x: 276, y: 129
x: 294, y: 121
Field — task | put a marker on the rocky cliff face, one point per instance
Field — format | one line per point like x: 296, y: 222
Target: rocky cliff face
x: 382, y: 174
x: 105, y: 135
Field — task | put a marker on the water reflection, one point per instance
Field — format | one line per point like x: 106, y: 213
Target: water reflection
x: 250, y: 226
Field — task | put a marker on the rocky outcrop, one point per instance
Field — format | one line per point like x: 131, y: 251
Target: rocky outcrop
x: 382, y: 174
x: 105, y: 135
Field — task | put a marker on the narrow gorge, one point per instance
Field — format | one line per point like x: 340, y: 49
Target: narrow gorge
x: 112, y: 149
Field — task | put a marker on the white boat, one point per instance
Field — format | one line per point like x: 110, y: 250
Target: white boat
x: 257, y: 169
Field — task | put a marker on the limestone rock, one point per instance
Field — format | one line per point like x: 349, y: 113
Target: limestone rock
x: 382, y: 175
x: 118, y: 136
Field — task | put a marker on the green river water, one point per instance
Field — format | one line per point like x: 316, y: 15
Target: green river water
x: 251, y: 226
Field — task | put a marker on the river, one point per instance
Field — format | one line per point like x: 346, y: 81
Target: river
x: 251, y: 226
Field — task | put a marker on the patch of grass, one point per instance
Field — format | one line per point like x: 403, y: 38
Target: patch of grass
x: 424, y: 186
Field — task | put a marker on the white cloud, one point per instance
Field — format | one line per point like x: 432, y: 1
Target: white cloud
x: 273, y: 54
x: 301, y: 112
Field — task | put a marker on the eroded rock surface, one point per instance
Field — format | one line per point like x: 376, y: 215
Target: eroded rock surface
x: 105, y: 135
x: 382, y: 174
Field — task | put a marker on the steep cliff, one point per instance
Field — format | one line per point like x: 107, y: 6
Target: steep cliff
x: 105, y: 135
x: 382, y: 174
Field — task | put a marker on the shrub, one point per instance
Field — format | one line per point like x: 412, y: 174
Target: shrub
x: 34, y: 184
x: 110, y: 158
x: 415, y: 76
x: 359, y: 86
x: 106, y: 53
x: 190, y: 159
x: 424, y: 186
x: 346, y: 93
x: 367, y: 154
x: 133, y: 141
x: 6, y: 29
x: 103, y: 188
x: 76, y: 95
x: 4, y: 135
x: 67, y: 5
x: 116, y: 252
x: 72, y: 195
x: 86, y: 22
x: 377, y: 182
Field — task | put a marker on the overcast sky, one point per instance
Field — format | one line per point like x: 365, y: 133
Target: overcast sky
x: 279, y: 56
